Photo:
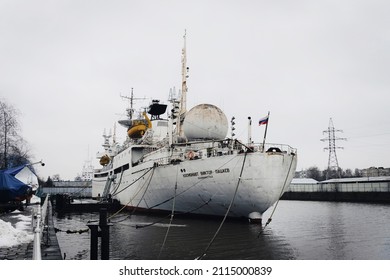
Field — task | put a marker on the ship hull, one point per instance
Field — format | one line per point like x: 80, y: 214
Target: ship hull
x: 236, y: 184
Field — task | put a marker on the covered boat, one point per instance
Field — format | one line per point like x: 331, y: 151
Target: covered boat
x: 17, y: 184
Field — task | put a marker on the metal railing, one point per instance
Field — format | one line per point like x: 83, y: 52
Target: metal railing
x: 38, y: 224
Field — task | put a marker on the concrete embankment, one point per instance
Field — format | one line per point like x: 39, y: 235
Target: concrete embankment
x: 371, y: 197
x: 362, y: 189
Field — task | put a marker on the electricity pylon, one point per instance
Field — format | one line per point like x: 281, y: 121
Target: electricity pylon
x: 333, y: 164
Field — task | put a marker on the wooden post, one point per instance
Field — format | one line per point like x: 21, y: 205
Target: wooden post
x: 105, y: 234
x: 94, y: 241
x: 101, y: 229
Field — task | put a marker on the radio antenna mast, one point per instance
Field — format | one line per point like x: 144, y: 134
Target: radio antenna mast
x: 184, y: 88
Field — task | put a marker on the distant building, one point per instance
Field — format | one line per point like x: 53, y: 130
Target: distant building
x: 73, y: 188
x: 375, y: 172
x: 362, y: 189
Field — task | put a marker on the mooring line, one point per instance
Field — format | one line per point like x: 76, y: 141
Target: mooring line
x: 124, y: 206
x: 227, y: 212
x: 160, y: 220
x: 119, y: 183
x: 277, y: 202
x: 143, y: 195
x: 134, y: 181
x: 190, y: 187
x: 172, y: 214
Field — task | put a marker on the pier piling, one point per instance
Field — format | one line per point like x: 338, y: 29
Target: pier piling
x: 101, y: 229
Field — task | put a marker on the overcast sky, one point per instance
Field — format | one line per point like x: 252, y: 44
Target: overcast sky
x: 64, y: 64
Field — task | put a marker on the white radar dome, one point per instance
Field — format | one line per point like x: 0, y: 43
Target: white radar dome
x: 205, y: 121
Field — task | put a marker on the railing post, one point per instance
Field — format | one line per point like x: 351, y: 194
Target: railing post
x: 37, y: 235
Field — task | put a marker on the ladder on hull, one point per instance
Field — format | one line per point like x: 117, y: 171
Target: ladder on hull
x: 107, y: 187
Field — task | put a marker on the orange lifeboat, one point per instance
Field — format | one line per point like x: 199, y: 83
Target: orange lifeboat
x: 104, y: 160
x: 139, y: 127
x: 136, y: 131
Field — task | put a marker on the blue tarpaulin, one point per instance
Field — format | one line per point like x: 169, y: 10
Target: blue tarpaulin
x: 10, y: 187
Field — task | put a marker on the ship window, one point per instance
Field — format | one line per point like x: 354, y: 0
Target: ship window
x: 121, y: 169
x: 100, y: 175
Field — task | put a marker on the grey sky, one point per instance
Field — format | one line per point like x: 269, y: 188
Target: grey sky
x: 64, y: 64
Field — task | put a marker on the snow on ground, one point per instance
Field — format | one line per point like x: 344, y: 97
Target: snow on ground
x: 24, y: 222
x: 15, y: 227
x: 35, y: 199
x: 12, y: 236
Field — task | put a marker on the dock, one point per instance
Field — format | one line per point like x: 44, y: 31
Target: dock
x: 64, y: 203
x: 50, y: 249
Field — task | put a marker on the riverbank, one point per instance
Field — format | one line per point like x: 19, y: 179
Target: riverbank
x: 361, y: 189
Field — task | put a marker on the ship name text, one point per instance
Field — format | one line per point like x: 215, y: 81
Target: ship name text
x: 206, y: 173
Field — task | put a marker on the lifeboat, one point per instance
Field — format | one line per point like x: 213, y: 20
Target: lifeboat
x: 139, y: 127
x: 136, y: 131
x: 104, y: 160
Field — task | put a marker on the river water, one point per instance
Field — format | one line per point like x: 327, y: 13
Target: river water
x: 302, y: 230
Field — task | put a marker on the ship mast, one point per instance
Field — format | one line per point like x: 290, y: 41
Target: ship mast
x: 130, y: 110
x: 183, y: 97
x: 184, y: 76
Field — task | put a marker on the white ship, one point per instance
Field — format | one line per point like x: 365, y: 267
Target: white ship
x: 185, y: 164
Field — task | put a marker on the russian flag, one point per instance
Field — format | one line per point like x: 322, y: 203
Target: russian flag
x: 263, y: 120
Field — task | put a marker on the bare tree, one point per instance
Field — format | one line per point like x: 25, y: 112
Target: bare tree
x: 12, y: 146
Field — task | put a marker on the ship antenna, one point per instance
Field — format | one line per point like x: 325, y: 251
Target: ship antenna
x: 131, y: 104
x: 184, y: 74
x: 184, y: 88
x: 114, y: 135
x: 130, y: 110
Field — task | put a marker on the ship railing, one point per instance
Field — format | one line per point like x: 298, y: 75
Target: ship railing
x: 159, y: 161
x: 238, y: 145
x: 228, y: 144
x: 273, y: 147
x: 219, y: 148
x: 38, y: 224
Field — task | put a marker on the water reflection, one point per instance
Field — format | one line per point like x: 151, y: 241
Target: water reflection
x: 335, y: 230
x: 187, y: 239
x: 299, y: 230
x: 335, y: 233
